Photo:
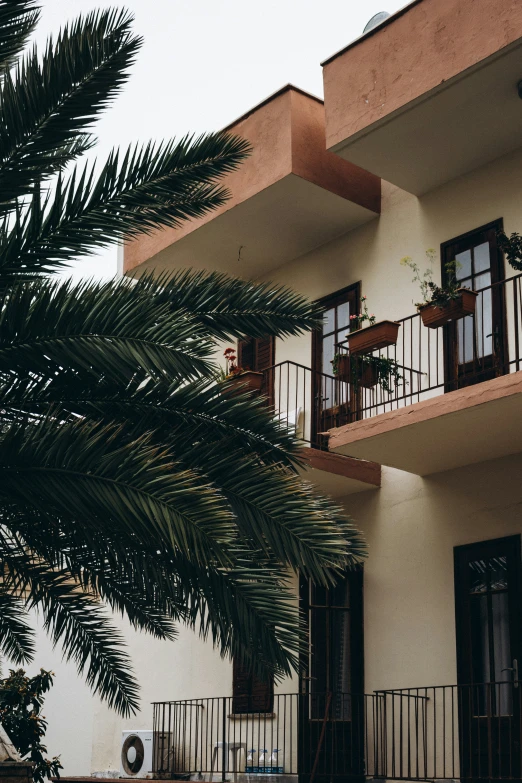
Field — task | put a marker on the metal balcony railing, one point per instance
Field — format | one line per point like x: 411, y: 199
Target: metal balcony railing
x: 464, y: 732
x: 431, y: 362
x: 307, y: 401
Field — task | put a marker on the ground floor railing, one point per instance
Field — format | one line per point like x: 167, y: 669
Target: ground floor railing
x: 464, y: 732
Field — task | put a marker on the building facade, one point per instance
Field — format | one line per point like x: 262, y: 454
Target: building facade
x: 412, y: 671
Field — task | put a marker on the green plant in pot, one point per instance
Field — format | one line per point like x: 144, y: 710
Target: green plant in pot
x: 367, y: 371
x: 240, y: 376
x: 440, y: 304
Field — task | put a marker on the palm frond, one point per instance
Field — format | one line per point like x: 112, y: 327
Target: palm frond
x: 78, y: 623
x: 100, y: 329
x: 79, y: 469
x: 18, y: 19
x: 46, y: 107
x: 16, y: 637
x: 144, y: 189
x: 229, y: 307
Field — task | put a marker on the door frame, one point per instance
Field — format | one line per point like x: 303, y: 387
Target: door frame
x: 329, y: 733
x: 498, y: 274
x: 325, y: 302
x: 480, y: 734
x: 463, y: 653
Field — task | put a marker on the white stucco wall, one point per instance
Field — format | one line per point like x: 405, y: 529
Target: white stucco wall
x: 412, y: 523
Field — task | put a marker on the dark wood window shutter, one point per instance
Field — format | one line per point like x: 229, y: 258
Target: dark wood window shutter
x: 256, y: 353
x: 250, y: 694
x: 246, y: 354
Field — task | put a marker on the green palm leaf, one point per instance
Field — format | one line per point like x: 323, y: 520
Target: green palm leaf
x: 46, y: 107
x: 129, y: 477
x: 18, y: 19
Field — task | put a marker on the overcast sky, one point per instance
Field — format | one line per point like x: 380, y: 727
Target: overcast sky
x: 205, y: 62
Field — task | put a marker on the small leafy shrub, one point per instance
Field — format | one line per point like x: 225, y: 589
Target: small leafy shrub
x: 512, y: 247
x: 387, y: 370
x: 433, y: 294
x: 21, y: 702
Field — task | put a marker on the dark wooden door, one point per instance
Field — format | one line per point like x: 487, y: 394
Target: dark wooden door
x: 475, y: 346
x: 331, y: 397
x: 331, y: 721
x: 258, y: 354
x: 488, y: 625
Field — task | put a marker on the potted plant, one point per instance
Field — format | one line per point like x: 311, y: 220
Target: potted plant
x: 373, y: 337
x: 441, y: 304
x: 367, y: 371
x: 240, y: 376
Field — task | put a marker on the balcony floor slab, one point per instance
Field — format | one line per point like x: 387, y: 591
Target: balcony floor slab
x: 338, y: 475
x: 466, y: 426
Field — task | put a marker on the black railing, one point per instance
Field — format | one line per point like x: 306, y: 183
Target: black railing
x: 315, y: 736
x: 465, y: 732
x: 307, y: 401
x: 430, y: 362
x: 427, y: 363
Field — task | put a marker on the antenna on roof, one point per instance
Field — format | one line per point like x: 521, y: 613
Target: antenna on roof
x: 376, y: 20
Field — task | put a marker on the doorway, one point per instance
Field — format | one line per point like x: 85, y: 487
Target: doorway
x: 488, y: 625
x: 331, y: 737
x: 475, y: 346
x: 331, y: 397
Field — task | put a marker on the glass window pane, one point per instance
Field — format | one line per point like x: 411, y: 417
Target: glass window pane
x: 484, y: 324
x: 340, y: 594
x: 319, y: 651
x: 463, y: 264
x: 329, y: 320
x: 319, y: 595
x: 465, y: 339
x: 480, y: 638
x: 340, y: 663
x: 482, y: 257
x: 478, y: 577
x: 482, y: 281
x: 343, y: 316
x: 328, y: 353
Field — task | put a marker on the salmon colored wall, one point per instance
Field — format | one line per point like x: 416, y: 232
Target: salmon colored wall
x: 311, y: 160
x: 419, y: 50
x: 287, y: 136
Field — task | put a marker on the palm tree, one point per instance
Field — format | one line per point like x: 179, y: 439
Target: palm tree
x: 130, y: 480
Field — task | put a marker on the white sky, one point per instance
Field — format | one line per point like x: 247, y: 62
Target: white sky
x: 205, y: 62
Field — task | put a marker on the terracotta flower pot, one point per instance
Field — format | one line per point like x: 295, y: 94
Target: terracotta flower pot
x: 343, y: 368
x: 248, y: 380
x: 365, y: 373
x: 368, y: 376
x: 434, y: 316
x: 372, y: 338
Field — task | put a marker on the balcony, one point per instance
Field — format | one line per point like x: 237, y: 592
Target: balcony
x: 310, y: 402
x: 430, y: 94
x: 287, y: 198
x: 459, y: 732
x: 459, y: 400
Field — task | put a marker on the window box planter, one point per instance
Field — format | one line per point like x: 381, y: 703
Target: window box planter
x: 248, y: 380
x: 434, y: 316
x: 372, y: 338
x: 366, y: 373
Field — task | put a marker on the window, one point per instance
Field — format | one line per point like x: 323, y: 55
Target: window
x: 250, y: 694
x: 338, y: 308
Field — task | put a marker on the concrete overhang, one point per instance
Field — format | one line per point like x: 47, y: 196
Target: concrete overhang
x: 430, y: 94
x: 287, y: 198
x: 460, y: 428
x: 337, y: 475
